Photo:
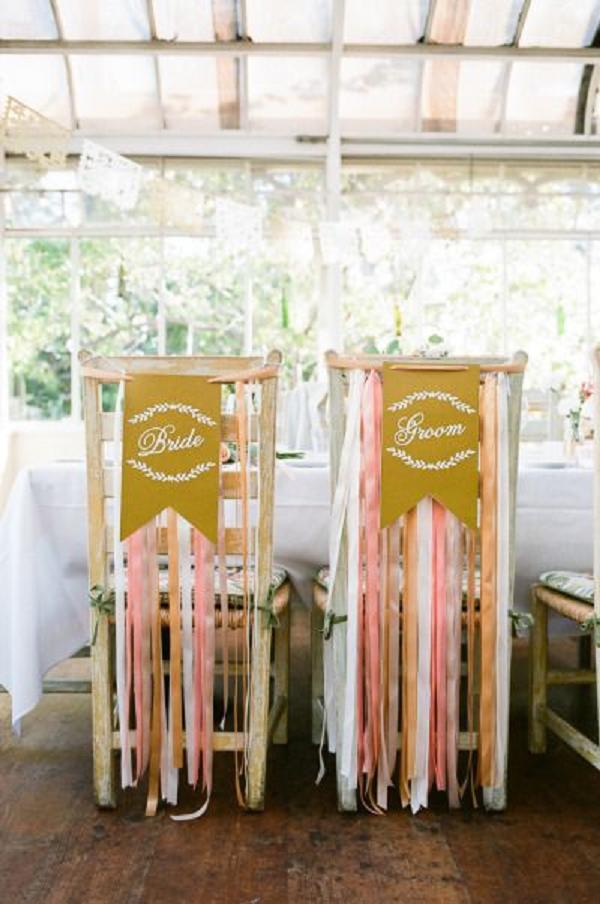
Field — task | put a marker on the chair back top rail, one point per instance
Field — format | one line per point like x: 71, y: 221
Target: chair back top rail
x: 224, y: 368
x: 487, y: 363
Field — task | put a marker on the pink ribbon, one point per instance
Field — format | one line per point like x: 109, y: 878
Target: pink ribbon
x: 133, y: 635
x: 204, y: 658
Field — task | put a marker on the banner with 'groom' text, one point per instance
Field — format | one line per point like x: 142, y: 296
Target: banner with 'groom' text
x: 430, y: 440
x: 171, y: 443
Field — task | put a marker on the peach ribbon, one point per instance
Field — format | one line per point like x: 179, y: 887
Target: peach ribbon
x: 409, y: 655
x: 135, y: 563
x: 157, y: 677
x: 393, y: 624
x: 454, y: 570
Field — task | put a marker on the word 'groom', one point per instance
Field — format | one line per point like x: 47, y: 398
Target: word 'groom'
x: 411, y: 428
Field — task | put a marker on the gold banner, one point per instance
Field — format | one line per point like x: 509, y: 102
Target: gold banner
x: 171, y: 443
x: 430, y: 441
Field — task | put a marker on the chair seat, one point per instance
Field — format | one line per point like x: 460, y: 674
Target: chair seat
x: 572, y: 583
x: 235, y: 587
x: 322, y: 581
x: 563, y: 604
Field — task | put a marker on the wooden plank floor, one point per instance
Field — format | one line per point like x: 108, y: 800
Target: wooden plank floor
x: 56, y: 848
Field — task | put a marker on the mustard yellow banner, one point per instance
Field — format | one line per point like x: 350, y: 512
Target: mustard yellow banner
x: 171, y: 443
x: 430, y: 443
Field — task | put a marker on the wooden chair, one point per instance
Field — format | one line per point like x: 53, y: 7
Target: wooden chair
x: 494, y: 798
x: 582, y: 608
x: 268, y: 708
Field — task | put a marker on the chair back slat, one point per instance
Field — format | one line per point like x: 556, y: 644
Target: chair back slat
x: 233, y: 541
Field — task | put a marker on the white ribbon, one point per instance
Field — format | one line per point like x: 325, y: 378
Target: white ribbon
x: 189, y: 691
x: 347, y: 470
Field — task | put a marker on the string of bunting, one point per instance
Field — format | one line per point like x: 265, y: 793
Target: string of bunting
x: 117, y: 180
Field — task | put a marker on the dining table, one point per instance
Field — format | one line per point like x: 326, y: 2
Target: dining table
x: 44, y: 605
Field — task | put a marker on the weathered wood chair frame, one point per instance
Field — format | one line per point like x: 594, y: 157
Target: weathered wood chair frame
x: 266, y: 722
x: 494, y: 798
x: 541, y: 716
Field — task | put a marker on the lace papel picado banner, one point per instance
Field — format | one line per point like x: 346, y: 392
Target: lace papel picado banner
x: 171, y: 445
x: 25, y: 131
x: 109, y: 176
x: 430, y: 441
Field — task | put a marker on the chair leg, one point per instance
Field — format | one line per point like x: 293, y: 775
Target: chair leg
x: 281, y: 683
x: 317, y: 689
x: 259, y: 714
x: 538, y: 668
x: 105, y: 791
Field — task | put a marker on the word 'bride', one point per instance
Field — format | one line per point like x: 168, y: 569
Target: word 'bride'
x: 411, y: 428
x: 156, y: 440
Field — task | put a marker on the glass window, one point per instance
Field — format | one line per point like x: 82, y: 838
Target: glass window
x: 542, y: 98
x: 384, y: 21
x: 285, y: 295
x: 39, y: 327
x: 182, y: 20
x: 287, y: 93
x: 288, y: 20
x: 27, y: 20
x: 462, y: 96
x: 378, y: 94
x: 190, y: 92
x: 111, y: 90
x: 205, y: 297
x: 560, y: 23
x: 485, y: 30
x: 39, y: 81
x: 546, y: 308
x: 119, y: 20
x: 120, y: 287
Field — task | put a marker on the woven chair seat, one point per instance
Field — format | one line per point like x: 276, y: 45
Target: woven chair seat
x: 322, y: 581
x: 279, y: 590
x: 572, y: 583
x: 563, y: 604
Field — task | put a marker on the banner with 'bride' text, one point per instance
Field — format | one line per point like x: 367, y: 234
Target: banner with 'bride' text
x: 430, y: 440
x: 171, y: 443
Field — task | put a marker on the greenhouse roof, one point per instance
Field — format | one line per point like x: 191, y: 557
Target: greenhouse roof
x: 209, y: 76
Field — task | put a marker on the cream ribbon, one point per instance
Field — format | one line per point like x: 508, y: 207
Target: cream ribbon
x: 502, y: 584
x: 119, y: 577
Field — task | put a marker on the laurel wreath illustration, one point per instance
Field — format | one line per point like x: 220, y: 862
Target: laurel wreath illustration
x: 421, y: 395
x: 179, y: 477
x: 164, y: 407
x: 442, y: 464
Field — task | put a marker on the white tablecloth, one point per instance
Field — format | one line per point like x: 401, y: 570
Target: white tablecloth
x: 44, y: 614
